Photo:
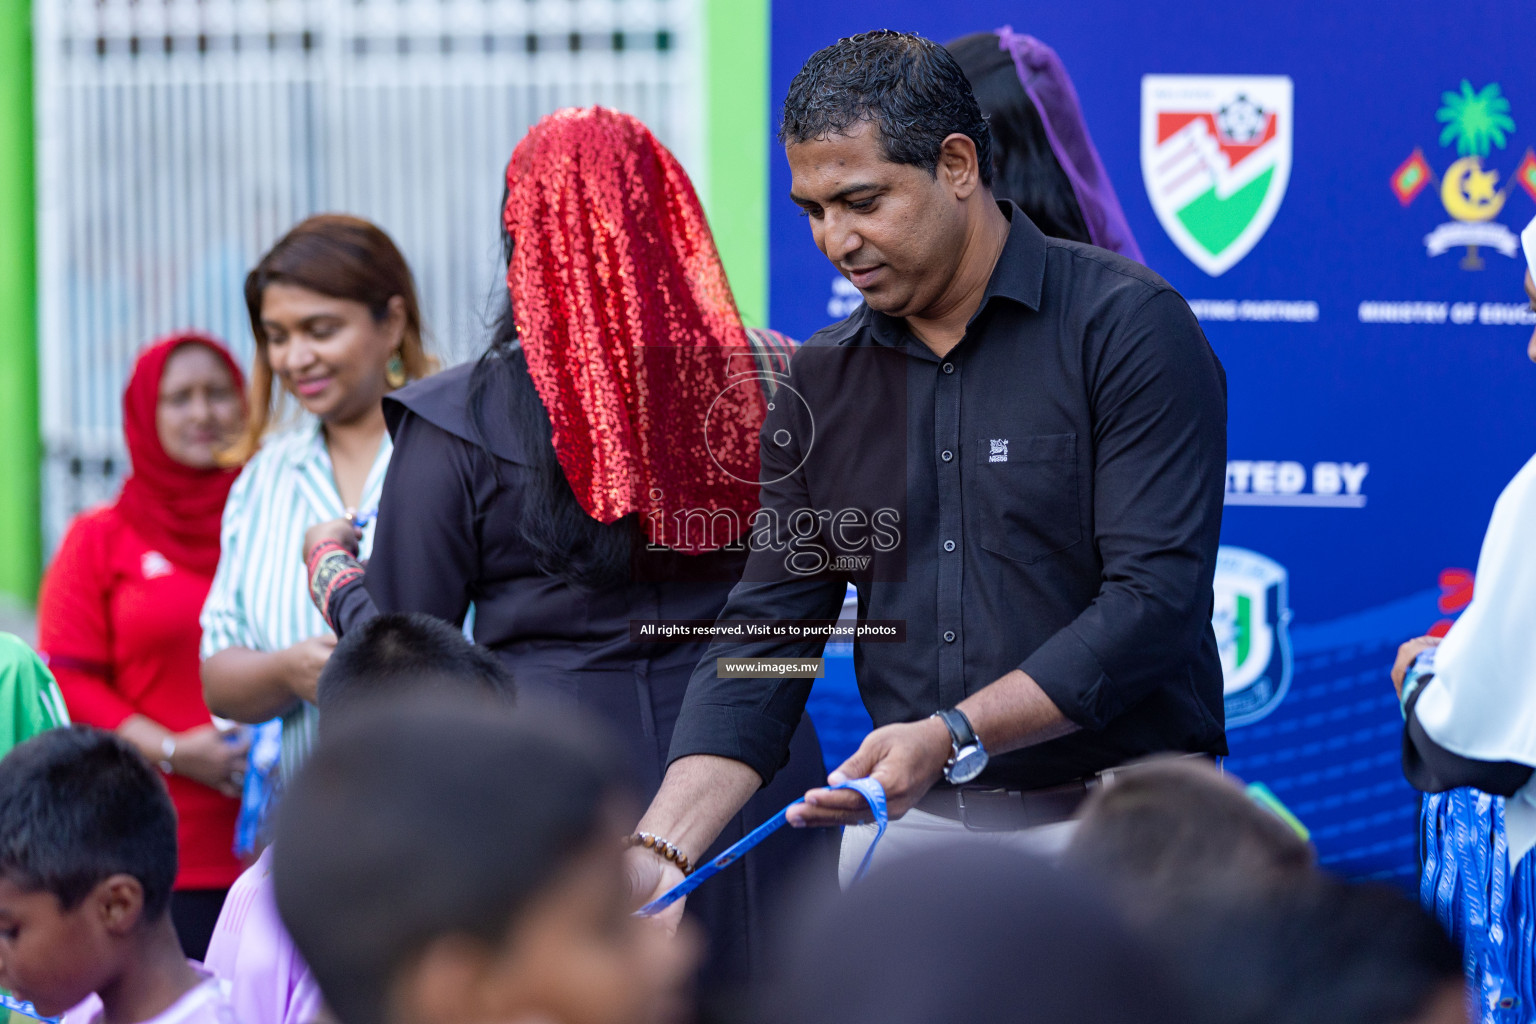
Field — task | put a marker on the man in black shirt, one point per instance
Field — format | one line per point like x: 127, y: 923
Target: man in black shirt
x: 1044, y: 422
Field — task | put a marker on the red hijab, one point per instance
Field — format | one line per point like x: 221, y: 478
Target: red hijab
x: 173, y: 508
x: 628, y: 325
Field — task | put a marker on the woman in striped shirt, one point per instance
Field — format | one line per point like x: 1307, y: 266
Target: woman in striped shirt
x: 333, y: 308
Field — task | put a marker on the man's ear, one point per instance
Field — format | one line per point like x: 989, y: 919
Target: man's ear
x: 119, y: 902
x: 444, y: 982
x: 958, y: 167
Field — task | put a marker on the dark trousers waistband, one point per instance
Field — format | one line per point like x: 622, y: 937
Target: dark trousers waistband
x: 1010, y: 810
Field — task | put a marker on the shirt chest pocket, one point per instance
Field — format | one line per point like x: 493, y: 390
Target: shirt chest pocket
x: 1024, y: 492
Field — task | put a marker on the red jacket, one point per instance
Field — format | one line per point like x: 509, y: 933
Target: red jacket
x: 118, y: 625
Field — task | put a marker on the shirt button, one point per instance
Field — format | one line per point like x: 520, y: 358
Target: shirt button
x: 949, y: 636
x: 949, y: 545
x: 947, y: 455
x: 949, y: 367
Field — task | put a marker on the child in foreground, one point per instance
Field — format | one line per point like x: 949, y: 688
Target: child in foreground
x: 451, y: 862
x: 87, y: 860
x: 390, y: 656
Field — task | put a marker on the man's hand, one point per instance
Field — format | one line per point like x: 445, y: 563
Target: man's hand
x: 1405, y: 655
x: 906, y: 759
x: 649, y: 877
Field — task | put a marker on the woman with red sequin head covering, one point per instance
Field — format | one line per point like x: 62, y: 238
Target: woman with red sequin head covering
x: 596, y: 468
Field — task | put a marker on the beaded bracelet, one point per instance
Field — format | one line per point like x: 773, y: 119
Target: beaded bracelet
x: 662, y: 849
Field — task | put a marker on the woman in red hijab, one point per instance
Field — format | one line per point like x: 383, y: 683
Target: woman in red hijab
x: 118, y: 612
x: 596, y: 470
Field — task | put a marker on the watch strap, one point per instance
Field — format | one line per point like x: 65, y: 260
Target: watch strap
x: 961, y: 733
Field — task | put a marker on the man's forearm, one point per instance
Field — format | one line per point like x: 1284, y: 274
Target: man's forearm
x: 699, y: 796
x: 1014, y: 712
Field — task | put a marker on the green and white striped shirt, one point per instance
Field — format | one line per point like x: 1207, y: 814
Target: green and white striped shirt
x: 260, y: 596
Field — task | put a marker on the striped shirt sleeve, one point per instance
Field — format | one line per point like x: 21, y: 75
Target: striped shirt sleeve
x: 224, y: 619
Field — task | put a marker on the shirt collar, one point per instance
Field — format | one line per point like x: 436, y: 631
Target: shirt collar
x: 1019, y: 275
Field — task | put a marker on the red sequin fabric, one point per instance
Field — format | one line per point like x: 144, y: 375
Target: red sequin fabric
x: 630, y: 331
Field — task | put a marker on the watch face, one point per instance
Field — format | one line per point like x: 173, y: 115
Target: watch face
x: 968, y: 764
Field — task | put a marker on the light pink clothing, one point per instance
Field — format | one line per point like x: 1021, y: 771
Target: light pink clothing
x: 205, y: 1003
x: 268, y: 981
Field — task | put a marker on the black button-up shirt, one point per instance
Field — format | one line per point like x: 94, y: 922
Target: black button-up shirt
x: 1047, y: 497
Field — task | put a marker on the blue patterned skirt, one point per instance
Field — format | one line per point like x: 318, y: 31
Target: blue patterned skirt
x: 1489, y: 910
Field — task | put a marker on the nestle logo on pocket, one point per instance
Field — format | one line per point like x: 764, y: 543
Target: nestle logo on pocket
x: 997, y: 450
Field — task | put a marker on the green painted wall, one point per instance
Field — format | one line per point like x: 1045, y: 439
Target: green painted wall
x: 20, y: 446
x: 736, y: 123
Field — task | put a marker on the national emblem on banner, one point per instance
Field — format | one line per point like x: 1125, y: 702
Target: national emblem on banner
x: 1252, y: 619
x: 1216, y: 158
x: 1477, y: 121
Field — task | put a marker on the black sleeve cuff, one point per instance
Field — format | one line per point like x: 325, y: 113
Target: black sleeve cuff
x: 1071, y: 676
x: 1431, y: 768
x: 758, y: 740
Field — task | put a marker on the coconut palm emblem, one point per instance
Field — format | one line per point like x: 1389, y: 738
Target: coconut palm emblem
x: 1476, y: 122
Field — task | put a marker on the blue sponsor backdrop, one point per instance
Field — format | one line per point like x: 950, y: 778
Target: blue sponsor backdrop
x: 1440, y: 414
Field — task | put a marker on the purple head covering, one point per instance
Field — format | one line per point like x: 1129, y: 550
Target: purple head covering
x: 1049, y: 88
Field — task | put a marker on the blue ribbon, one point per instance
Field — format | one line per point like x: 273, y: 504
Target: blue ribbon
x: 869, y: 789
x: 25, y: 1008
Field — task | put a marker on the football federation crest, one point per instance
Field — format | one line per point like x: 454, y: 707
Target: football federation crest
x: 1477, y: 122
x: 1216, y: 158
x: 1252, y: 619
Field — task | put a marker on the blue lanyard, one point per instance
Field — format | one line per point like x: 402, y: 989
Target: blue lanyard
x: 24, y: 1008
x: 364, y: 517
x: 869, y: 789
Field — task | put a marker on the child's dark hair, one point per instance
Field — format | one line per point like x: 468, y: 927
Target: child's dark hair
x: 1172, y: 830
x: 78, y: 805
x: 403, y: 653
x: 1329, y: 952
x: 415, y: 820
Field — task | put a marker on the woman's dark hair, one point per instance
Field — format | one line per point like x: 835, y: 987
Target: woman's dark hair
x: 422, y: 818
x: 566, y: 542
x: 1025, y: 168
x: 343, y: 257
x: 909, y: 87
x: 78, y: 805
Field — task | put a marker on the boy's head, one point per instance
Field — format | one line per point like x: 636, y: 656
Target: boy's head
x: 406, y: 654
x: 971, y: 933
x: 87, y: 861
x: 442, y: 861
x: 1177, y: 831
x: 1324, y: 952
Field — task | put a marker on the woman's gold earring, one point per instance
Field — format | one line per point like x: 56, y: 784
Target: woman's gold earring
x: 394, y: 371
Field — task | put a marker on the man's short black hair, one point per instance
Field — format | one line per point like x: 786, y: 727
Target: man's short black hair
x: 910, y: 88
x: 78, y: 805
x: 406, y: 653
x: 420, y: 818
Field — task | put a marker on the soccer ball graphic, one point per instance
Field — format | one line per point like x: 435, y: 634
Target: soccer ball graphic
x: 1242, y: 120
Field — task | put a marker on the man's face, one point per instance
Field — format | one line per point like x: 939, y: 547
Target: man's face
x: 49, y: 956
x: 893, y: 230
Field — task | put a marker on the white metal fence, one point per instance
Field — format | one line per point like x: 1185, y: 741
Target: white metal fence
x: 177, y: 139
